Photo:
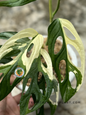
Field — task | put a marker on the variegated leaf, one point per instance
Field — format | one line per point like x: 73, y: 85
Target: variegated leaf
x: 8, y: 50
x: 34, y: 88
x: 54, y: 31
x: 18, y: 45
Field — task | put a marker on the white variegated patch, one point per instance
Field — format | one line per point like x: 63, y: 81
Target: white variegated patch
x: 77, y: 43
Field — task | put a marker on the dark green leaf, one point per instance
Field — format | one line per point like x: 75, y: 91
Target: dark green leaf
x: 34, y: 89
x: 5, y: 60
x: 7, y: 35
x: 54, y: 31
x: 12, y: 3
x: 5, y: 87
x: 52, y: 107
x: 41, y: 111
x: 9, y: 49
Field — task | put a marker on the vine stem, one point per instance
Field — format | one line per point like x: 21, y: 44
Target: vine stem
x: 58, y: 5
x: 50, y: 10
x: 52, y: 14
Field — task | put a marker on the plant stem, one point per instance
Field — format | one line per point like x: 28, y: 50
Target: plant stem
x: 50, y: 10
x: 58, y: 5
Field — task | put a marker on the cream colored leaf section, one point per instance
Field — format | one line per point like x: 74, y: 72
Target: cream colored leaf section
x: 12, y: 41
x: 6, y: 67
x: 48, y: 61
x: 38, y: 43
x: 55, y: 94
x: 49, y: 71
x: 77, y: 43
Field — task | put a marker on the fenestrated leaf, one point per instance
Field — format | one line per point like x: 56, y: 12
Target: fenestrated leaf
x: 7, y: 35
x: 34, y: 88
x: 12, y: 3
x: 30, y: 65
x: 9, y: 68
x: 54, y: 31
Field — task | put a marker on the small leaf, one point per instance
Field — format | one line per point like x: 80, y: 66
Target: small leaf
x: 12, y: 3
x: 54, y: 31
x: 7, y: 35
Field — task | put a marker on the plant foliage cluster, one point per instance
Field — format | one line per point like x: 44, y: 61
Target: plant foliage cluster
x: 18, y: 43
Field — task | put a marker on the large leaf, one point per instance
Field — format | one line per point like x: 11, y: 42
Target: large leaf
x: 34, y: 88
x: 8, y: 50
x: 54, y: 31
x: 20, y: 44
x: 12, y: 3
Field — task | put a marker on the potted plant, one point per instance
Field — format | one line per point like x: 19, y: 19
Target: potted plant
x: 35, y: 57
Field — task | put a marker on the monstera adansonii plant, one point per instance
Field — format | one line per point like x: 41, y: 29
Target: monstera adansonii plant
x: 18, y: 44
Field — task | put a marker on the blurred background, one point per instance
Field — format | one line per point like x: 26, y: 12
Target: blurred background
x: 36, y: 15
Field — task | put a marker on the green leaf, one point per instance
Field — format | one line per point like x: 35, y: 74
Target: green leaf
x: 52, y: 107
x: 41, y: 111
x: 54, y: 31
x: 31, y: 66
x: 6, y: 35
x: 13, y: 3
x: 5, y: 60
x: 35, y: 88
x: 5, y: 52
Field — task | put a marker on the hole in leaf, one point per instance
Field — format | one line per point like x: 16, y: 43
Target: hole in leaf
x: 43, y: 61
x: 1, y: 76
x: 12, y: 78
x: 41, y: 82
x: 62, y: 68
x: 39, y: 76
x: 58, y: 45
x: 69, y: 34
x: 54, y: 73
x: 29, y: 81
x: 31, y: 101
x: 75, y: 57
x: 29, y: 51
x: 72, y: 80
